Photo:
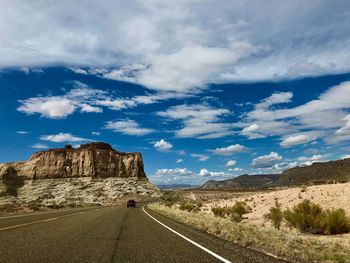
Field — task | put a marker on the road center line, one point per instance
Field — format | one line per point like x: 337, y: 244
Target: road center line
x: 189, y: 240
x: 44, y: 220
x: 30, y: 223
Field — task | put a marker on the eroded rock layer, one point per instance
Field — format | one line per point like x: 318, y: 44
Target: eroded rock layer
x: 96, y: 160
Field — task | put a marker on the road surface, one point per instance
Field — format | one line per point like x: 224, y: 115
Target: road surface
x: 113, y: 234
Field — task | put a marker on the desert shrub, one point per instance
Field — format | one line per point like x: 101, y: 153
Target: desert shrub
x: 34, y: 206
x: 171, y: 198
x: 219, y: 211
x: 189, y: 207
x: 235, y: 217
x: 336, y: 222
x: 309, y: 217
x: 275, y: 215
x: 240, y: 208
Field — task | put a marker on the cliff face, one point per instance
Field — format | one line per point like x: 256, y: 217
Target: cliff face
x: 96, y: 160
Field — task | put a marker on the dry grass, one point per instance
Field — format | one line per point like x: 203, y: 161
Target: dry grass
x: 293, y: 246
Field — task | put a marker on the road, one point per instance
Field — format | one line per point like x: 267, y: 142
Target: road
x: 112, y: 234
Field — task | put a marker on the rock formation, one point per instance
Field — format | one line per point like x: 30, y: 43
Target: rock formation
x: 97, y: 160
x: 93, y: 174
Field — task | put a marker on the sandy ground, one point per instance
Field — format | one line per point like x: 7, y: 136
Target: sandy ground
x: 328, y: 196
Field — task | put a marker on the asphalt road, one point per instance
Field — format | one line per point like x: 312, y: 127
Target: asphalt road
x: 114, y: 234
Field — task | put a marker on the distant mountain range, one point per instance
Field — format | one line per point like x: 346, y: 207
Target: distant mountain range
x: 317, y: 173
x: 176, y: 186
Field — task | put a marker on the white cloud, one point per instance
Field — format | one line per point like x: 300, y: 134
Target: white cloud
x: 179, y: 160
x: 199, y: 121
x: 205, y: 172
x: 22, y: 132
x: 201, y: 157
x: 176, y: 171
x: 231, y: 163
x: 295, y: 140
x: 266, y: 161
x: 62, y: 137
x: 50, y: 107
x: 129, y: 127
x: 307, y: 161
x: 89, y: 108
x: 40, y: 146
x: 324, y: 117
x: 345, y: 156
x: 96, y: 133
x: 229, y: 150
x: 87, y: 100
x: 178, y: 45
x: 163, y: 145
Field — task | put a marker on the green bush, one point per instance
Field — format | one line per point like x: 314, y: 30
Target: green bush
x: 336, y: 222
x: 240, y: 208
x: 170, y: 198
x: 235, y: 212
x: 190, y: 207
x: 276, y: 215
x: 219, y: 211
x: 236, y: 217
x: 309, y: 217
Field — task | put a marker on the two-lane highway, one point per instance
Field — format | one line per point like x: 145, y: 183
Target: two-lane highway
x: 113, y: 234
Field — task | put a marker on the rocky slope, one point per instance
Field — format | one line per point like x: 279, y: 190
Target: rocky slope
x: 317, y: 173
x: 244, y: 181
x: 93, y: 174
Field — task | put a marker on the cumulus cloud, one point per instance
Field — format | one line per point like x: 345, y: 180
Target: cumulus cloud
x: 39, y: 146
x: 178, y: 45
x: 50, y: 107
x: 96, y: 133
x: 163, y: 145
x: 62, y: 137
x: 129, y: 127
x: 199, y: 121
x: 231, y: 163
x: 87, y: 100
x: 307, y: 161
x: 325, y: 117
x: 205, y: 172
x: 201, y: 157
x: 266, y: 161
x: 295, y: 140
x: 229, y: 150
x: 176, y: 171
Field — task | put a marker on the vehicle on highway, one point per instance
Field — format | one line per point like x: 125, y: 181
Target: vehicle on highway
x: 131, y: 203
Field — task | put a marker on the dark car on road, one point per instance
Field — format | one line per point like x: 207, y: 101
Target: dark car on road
x: 131, y: 203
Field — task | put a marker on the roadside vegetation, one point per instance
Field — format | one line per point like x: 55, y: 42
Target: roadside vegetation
x: 299, y: 234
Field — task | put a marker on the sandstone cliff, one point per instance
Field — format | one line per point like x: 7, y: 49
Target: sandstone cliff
x: 97, y: 160
x: 93, y: 174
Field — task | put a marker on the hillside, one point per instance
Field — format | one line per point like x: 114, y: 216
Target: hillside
x: 244, y: 181
x: 317, y: 173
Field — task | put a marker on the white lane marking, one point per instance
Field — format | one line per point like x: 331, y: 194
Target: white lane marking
x: 189, y: 240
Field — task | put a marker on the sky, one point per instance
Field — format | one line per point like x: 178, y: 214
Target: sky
x: 204, y: 89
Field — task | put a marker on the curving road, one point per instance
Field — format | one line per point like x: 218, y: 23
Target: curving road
x: 113, y: 234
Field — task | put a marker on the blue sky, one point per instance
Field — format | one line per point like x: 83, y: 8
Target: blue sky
x: 203, y: 90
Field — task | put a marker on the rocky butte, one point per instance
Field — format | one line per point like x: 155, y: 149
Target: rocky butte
x: 94, y: 173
